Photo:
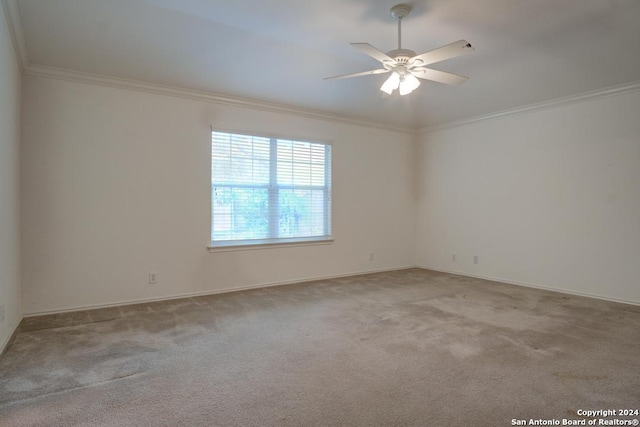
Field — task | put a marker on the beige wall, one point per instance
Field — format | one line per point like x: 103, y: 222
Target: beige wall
x: 547, y: 198
x: 116, y: 184
x: 10, y: 293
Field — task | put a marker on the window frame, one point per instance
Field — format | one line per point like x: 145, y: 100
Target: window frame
x: 274, y: 188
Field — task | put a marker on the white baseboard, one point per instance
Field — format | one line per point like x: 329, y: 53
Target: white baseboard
x: 211, y: 292
x: 7, y: 340
x: 311, y: 279
x: 532, y: 285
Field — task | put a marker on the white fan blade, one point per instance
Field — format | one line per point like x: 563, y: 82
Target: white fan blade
x: 364, y: 73
x: 367, y: 49
x: 449, y: 51
x: 438, y: 76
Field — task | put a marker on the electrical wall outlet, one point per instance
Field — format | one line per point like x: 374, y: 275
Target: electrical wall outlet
x: 453, y: 257
x: 475, y: 259
x: 1, y: 312
x: 153, y: 277
x: 371, y: 257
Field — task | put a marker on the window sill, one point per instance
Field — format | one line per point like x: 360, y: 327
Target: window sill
x: 242, y: 246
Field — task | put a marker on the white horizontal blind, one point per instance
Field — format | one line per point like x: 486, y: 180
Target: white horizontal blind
x: 268, y: 190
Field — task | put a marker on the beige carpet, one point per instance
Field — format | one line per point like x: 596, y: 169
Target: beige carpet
x: 404, y: 348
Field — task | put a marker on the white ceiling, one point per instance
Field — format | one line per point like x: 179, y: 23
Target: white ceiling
x: 279, y: 51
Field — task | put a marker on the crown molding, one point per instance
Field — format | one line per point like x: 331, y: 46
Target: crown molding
x: 17, y: 35
x: 565, y: 100
x: 211, y: 97
x: 199, y: 95
x: 26, y: 68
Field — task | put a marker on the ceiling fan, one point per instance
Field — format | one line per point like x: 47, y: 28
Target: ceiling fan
x: 405, y: 66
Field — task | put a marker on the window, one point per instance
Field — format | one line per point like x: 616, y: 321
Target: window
x: 269, y: 190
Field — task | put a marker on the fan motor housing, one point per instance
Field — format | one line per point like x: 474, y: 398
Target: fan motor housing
x: 401, y: 56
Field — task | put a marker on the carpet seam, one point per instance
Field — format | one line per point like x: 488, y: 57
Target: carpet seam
x: 80, y: 387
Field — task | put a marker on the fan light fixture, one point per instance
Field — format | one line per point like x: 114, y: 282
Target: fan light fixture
x: 405, y: 82
x: 391, y: 83
x: 409, y: 84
